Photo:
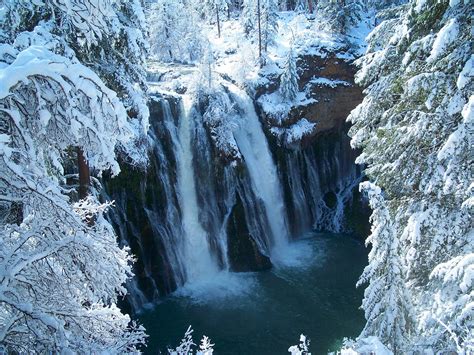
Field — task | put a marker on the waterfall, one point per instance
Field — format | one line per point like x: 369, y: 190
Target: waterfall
x: 253, y: 145
x: 319, y: 183
x: 198, y: 261
x: 192, y: 217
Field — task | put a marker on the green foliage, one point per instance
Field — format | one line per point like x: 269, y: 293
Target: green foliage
x: 428, y: 19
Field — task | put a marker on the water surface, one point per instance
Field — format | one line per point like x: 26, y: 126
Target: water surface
x: 313, y: 292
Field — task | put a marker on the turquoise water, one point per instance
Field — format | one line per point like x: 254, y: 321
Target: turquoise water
x: 264, y: 313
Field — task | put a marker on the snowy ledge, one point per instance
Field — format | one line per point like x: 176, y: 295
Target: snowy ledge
x: 294, y: 133
x: 332, y: 83
x: 277, y: 109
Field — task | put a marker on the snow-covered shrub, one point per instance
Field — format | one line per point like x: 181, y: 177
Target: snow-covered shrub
x: 364, y: 346
x: 221, y: 119
x: 187, y: 345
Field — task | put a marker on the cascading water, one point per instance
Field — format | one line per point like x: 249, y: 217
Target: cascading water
x: 319, y: 183
x: 265, y: 181
x: 198, y: 259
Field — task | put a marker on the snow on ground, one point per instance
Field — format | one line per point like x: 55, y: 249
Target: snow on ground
x: 329, y: 82
x: 236, y: 56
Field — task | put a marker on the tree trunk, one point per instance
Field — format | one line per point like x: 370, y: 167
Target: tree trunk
x: 84, y: 174
x: 310, y: 6
x: 218, y: 23
x: 259, y: 34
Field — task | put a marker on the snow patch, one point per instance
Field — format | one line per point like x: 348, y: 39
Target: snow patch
x: 466, y: 74
x: 278, y: 109
x: 295, y: 132
x: 444, y: 38
x: 329, y: 82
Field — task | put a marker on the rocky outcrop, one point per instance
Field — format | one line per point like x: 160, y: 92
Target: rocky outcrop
x: 330, y: 92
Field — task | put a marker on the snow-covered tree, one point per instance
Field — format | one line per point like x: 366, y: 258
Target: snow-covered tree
x: 207, y: 67
x: 415, y: 131
x: 269, y: 22
x: 304, y: 5
x: 289, y: 78
x: 165, y: 29
x: 386, y: 302
x: 302, y: 348
x: 60, y: 273
x: 187, y: 345
x: 247, y: 60
x: 107, y: 35
x: 122, y: 63
x: 175, y: 31
x: 259, y: 18
x: 61, y: 269
x: 249, y: 16
x: 217, y: 9
x: 339, y: 16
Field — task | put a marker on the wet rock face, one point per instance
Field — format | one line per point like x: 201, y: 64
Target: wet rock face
x: 139, y: 196
x: 242, y: 251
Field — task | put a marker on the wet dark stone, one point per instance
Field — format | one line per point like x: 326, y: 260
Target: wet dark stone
x: 330, y: 199
x: 243, y: 252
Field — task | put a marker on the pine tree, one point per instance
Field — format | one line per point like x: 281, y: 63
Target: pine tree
x: 339, y: 16
x: 248, y: 16
x: 259, y: 18
x: 413, y: 128
x: 176, y: 30
x: 165, y: 29
x: 207, y: 66
x: 269, y: 22
x: 289, y: 78
x: 386, y: 303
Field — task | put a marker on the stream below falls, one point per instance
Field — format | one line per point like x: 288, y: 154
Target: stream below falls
x: 313, y: 292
